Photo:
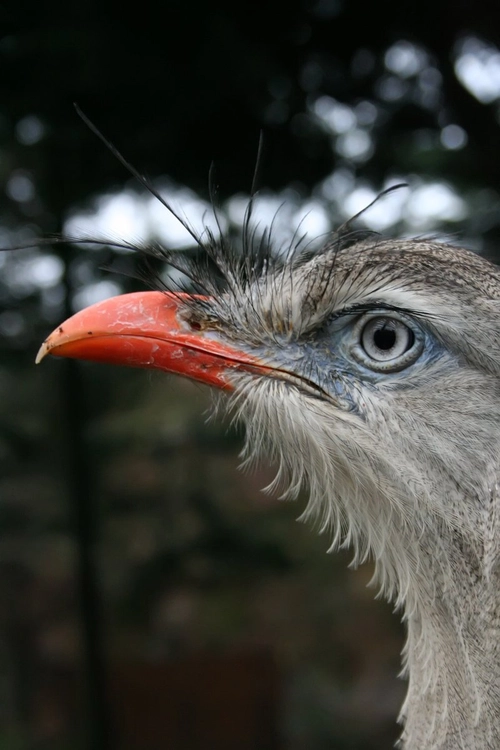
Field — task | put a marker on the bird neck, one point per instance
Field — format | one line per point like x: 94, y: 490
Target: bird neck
x: 452, y: 650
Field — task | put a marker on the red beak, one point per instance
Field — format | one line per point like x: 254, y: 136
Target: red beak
x: 147, y: 329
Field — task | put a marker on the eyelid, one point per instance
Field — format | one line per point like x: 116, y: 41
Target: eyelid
x: 375, y: 306
x: 396, y: 314
x: 341, y: 318
x: 338, y: 319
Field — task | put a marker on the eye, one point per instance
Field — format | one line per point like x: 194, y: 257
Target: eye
x: 384, y: 339
x: 387, y: 343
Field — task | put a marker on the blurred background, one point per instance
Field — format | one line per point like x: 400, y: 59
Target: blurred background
x: 151, y: 595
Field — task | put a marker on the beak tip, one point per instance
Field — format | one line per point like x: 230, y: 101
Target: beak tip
x: 42, y: 352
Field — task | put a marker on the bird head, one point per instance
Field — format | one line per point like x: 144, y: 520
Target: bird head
x: 368, y: 373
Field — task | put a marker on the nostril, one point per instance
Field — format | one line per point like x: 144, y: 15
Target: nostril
x: 195, y: 325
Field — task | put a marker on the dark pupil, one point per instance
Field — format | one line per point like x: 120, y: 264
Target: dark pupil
x: 384, y: 338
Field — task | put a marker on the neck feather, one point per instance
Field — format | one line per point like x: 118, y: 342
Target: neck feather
x: 436, y: 545
x: 451, y: 658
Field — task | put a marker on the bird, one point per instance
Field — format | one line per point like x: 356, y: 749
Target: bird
x: 368, y: 371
